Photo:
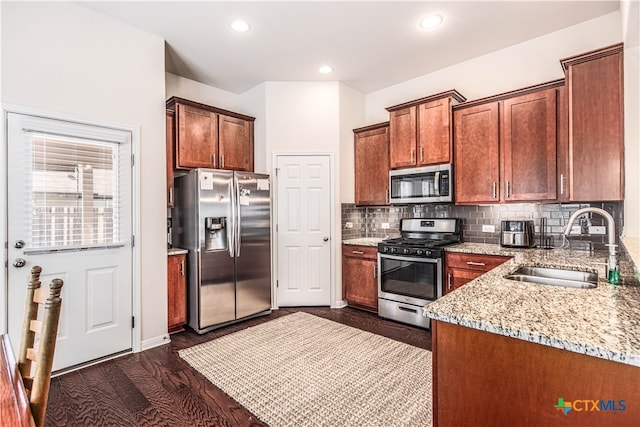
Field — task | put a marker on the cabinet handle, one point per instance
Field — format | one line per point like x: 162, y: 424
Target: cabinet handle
x: 386, y: 196
x: 222, y: 161
x: 358, y: 252
x: 182, y: 268
x: 375, y: 273
x: 171, y: 195
x: 421, y: 154
x: 481, y: 264
x: 493, y: 190
x: 449, y: 281
x: 411, y: 154
x: 507, y: 191
x: 213, y: 160
x: 561, y: 183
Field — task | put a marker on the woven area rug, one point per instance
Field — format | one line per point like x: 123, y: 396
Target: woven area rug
x: 303, y: 370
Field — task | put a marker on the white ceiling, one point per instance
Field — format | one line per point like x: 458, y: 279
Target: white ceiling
x: 369, y: 44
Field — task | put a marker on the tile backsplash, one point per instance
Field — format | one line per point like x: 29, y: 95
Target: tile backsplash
x: 368, y: 221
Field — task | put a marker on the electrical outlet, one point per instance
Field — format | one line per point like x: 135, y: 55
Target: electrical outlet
x: 575, y: 230
x: 384, y: 225
x: 595, y: 229
x: 488, y: 228
x: 348, y: 224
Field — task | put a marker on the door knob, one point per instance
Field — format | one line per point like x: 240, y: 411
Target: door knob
x: 326, y: 239
x: 18, y: 244
x: 19, y: 262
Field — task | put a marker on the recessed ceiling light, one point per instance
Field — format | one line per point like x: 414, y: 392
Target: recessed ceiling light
x: 430, y: 22
x: 240, y: 26
x: 325, y: 69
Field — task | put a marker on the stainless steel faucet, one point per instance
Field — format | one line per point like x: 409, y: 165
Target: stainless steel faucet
x: 611, y: 232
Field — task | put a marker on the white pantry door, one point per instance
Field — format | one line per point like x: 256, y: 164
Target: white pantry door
x: 304, y: 230
x: 69, y: 211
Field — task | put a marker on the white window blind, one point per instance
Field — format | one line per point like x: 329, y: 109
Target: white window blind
x: 75, y: 198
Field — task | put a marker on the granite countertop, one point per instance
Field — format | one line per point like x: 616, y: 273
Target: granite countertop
x: 602, y: 322
x: 176, y: 251
x: 363, y: 241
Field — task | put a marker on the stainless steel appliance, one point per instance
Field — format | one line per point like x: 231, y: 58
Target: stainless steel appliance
x: 426, y: 184
x: 517, y: 234
x: 223, y: 219
x: 411, y: 268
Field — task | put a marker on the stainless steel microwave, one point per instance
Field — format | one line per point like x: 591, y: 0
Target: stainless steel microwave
x: 428, y: 184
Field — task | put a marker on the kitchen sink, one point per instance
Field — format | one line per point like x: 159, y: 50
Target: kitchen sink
x: 555, y: 276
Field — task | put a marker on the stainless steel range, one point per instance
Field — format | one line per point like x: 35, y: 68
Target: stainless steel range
x: 411, y: 268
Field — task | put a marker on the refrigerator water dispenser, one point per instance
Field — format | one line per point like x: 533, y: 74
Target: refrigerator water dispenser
x: 215, y: 234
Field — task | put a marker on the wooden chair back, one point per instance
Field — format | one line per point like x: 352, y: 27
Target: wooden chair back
x: 37, y: 378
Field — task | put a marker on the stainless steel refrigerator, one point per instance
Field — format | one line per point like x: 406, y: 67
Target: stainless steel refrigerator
x: 223, y: 219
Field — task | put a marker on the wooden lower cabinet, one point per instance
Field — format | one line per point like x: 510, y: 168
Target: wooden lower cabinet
x: 461, y: 268
x: 177, y: 292
x: 486, y: 379
x: 360, y: 276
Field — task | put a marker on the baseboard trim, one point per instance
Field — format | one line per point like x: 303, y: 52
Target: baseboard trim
x: 155, y: 342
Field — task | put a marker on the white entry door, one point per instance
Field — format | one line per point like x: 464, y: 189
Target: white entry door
x: 69, y: 211
x: 304, y: 230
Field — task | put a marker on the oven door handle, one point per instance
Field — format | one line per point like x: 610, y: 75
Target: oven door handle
x: 410, y: 259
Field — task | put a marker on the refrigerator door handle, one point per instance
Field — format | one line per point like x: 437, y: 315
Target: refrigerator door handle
x: 231, y: 222
x: 237, y: 216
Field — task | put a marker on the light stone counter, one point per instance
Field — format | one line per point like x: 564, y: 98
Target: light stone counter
x: 602, y: 322
x: 363, y: 241
x: 176, y: 251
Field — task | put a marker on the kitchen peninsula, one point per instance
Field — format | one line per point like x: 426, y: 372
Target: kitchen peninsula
x: 507, y: 351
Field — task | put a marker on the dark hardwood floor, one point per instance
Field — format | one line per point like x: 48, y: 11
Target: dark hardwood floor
x: 157, y: 388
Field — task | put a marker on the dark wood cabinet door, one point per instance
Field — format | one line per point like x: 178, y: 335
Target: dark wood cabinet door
x: 197, y: 138
x: 596, y: 139
x: 371, y: 152
x: 235, y: 143
x: 529, y: 147
x: 461, y: 268
x: 359, y: 277
x: 457, y: 277
x: 476, y: 147
x: 402, y: 138
x: 177, y: 292
x: 434, y: 132
x: 170, y: 125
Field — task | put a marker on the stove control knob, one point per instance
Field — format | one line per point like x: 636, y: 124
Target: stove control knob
x: 420, y: 252
x: 385, y: 249
x: 406, y: 251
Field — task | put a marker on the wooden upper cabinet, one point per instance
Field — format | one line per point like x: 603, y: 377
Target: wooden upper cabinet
x: 196, y: 138
x: 402, y: 128
x: 420, y: 131
x: 371, y: 152
x: 434, y: 132
x: 235, y: 140
x: 209, y: 137
x: 528, y: 141
x: 170, y: 141
x: 505, y: 147
x: 596, y: 139
x: 476, y: 154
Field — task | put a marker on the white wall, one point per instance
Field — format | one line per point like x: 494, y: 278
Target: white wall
x: 66, y: 59
x: 630, y: 11
x: 352, y: 115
